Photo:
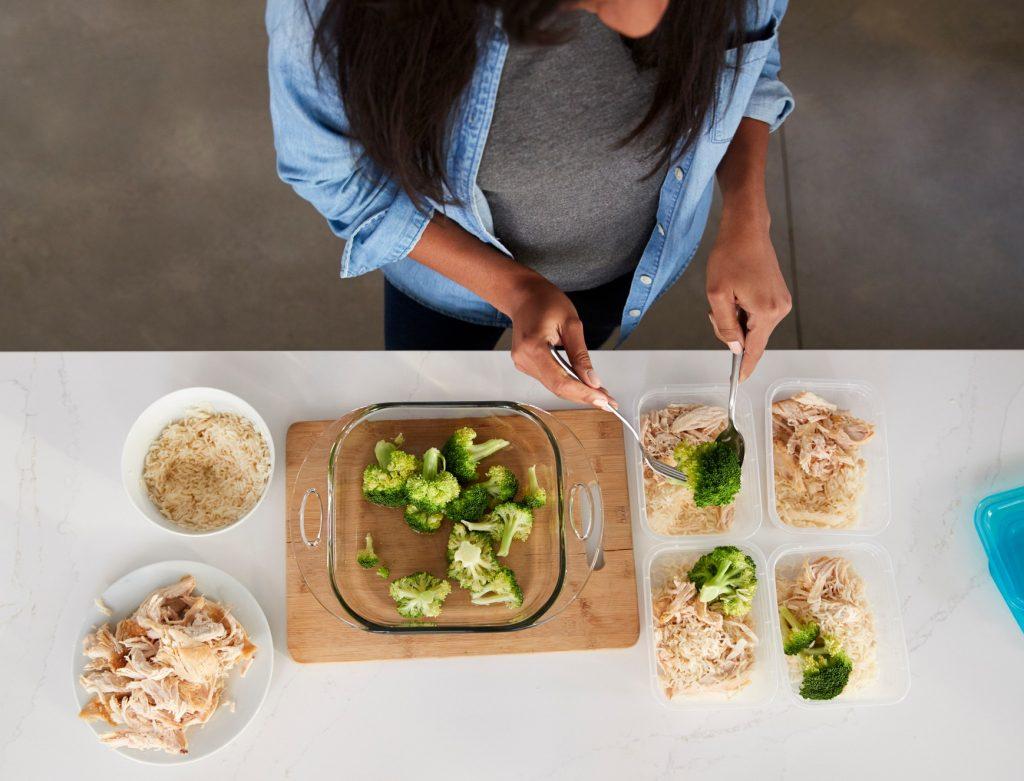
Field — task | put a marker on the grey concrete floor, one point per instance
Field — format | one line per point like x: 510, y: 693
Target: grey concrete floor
x: 139, y: 207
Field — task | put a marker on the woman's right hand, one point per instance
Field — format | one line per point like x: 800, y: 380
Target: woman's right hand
x: 542, y: 316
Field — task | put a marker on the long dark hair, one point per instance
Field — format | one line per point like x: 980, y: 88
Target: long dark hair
x: 400, y: 67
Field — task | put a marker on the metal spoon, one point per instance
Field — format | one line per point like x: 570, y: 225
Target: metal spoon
x: 731, y: 436
x: 658, y: 466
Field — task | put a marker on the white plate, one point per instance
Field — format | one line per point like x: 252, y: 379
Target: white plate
x: 248, y: 693
x: 153, y: 420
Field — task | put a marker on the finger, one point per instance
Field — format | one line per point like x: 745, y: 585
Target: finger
x: 536, y: 361
x: 725, y: 320
x: 757, y: 341
x: 575, y: 345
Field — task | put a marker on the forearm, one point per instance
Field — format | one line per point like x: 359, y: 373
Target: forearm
x: 741, y: 176
x: 449, y: 250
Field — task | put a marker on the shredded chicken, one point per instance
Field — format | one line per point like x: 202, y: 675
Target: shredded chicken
x: 698, y: 649
x: 670, y: 507
x: 819, y: 474
x: 829, y: 591
x: 163, y: 669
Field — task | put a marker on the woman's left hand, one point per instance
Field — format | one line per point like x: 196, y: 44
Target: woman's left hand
x: 743, y: 275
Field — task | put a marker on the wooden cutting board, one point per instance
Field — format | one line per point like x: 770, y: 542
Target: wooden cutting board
x: 603, y: 616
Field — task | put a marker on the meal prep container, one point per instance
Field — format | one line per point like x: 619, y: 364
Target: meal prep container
x: 863, y: 401
x: 875, y: 568
x: 329, y: 519
x: 999, y: 520
x: 151, y: 423
x: 764, y: 680
x: 747, y: 518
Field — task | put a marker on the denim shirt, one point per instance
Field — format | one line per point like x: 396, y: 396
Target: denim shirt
x: 381, y: 224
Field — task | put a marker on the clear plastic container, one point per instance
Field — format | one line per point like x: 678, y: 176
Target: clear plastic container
x: 874, y: 566
x: 665, y: 560
x: 747, y: 518
x: 874, y: 510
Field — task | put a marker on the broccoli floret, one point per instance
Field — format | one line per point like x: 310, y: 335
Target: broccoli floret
x: 384, y: 482
x: 383, y: 488
x: 462, y: 456
x: 470, y: 559
x: 826, y: 670
x: 419, y: 594
x: 433, y: 488
x: 796, y: 636
x: 517, y: 524
x: 727, y: 576
x: 470, y: 505
x: 491, y: 526
x: 535, y: 496
x: 501, y: 483
x: 366, y: 557
x: 421, y: 521
x: 500, y: 589
x: 383, y: 571
x: 712, y: 470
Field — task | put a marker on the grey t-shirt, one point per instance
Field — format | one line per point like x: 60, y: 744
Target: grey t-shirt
x: 565, y: 200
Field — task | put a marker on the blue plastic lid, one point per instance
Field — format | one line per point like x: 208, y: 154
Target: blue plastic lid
x: 999, y: 520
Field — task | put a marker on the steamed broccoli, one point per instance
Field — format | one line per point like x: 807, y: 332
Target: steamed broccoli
x: 471, y: 504
x: 712, y: 470
x: 795, y: 635
x: 419, y: 594
x: 462, y: 455
x: 421, y: 521
x: 383, y: 571
x: 433, y: 488
x: 488, y: 525
x: 470, y: 559
x: 501, y: 484
x: 826, y: 671
x: 502, y: 588
x: 384, y: 482
x: 727, y: 576
x: 517, y: 524
x: 535, y: 496
x: 365, y: 557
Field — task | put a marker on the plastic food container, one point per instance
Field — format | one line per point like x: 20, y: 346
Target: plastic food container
x: 747, y: 518
x: 999, y: 520
x: 661, y: 564
x: 875, y: 568
x: 329, y: 519
x: 860, y: 399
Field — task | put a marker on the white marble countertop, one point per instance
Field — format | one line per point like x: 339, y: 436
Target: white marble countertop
x: 956, y: 434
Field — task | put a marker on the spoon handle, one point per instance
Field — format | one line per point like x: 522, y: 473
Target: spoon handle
x: 734, y: 384
x: 562, y: 361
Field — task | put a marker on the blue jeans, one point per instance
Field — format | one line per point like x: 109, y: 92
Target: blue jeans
x: 409, y: 325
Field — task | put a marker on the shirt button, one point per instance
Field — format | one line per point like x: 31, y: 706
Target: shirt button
x: 634, y: 313
x: 661, y: 229
x: 678, y: 173
x: 646, y: 280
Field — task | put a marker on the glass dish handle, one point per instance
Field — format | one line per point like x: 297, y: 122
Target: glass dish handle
x: 586, y: 517
x: 302, y: 518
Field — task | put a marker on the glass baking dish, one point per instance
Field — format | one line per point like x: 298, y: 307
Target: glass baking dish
x: 329, y: 519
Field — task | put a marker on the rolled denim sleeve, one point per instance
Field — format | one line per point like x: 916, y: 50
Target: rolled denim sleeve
x: 379, y: 222
x: 771, y: 101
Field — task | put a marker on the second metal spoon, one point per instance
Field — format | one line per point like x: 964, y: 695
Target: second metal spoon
x: 658, y: 466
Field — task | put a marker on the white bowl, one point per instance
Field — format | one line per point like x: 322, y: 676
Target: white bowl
x: 147, y: 427
x: 248, y: 693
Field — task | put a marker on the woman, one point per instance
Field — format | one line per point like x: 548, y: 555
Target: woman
x: 537, y: 164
